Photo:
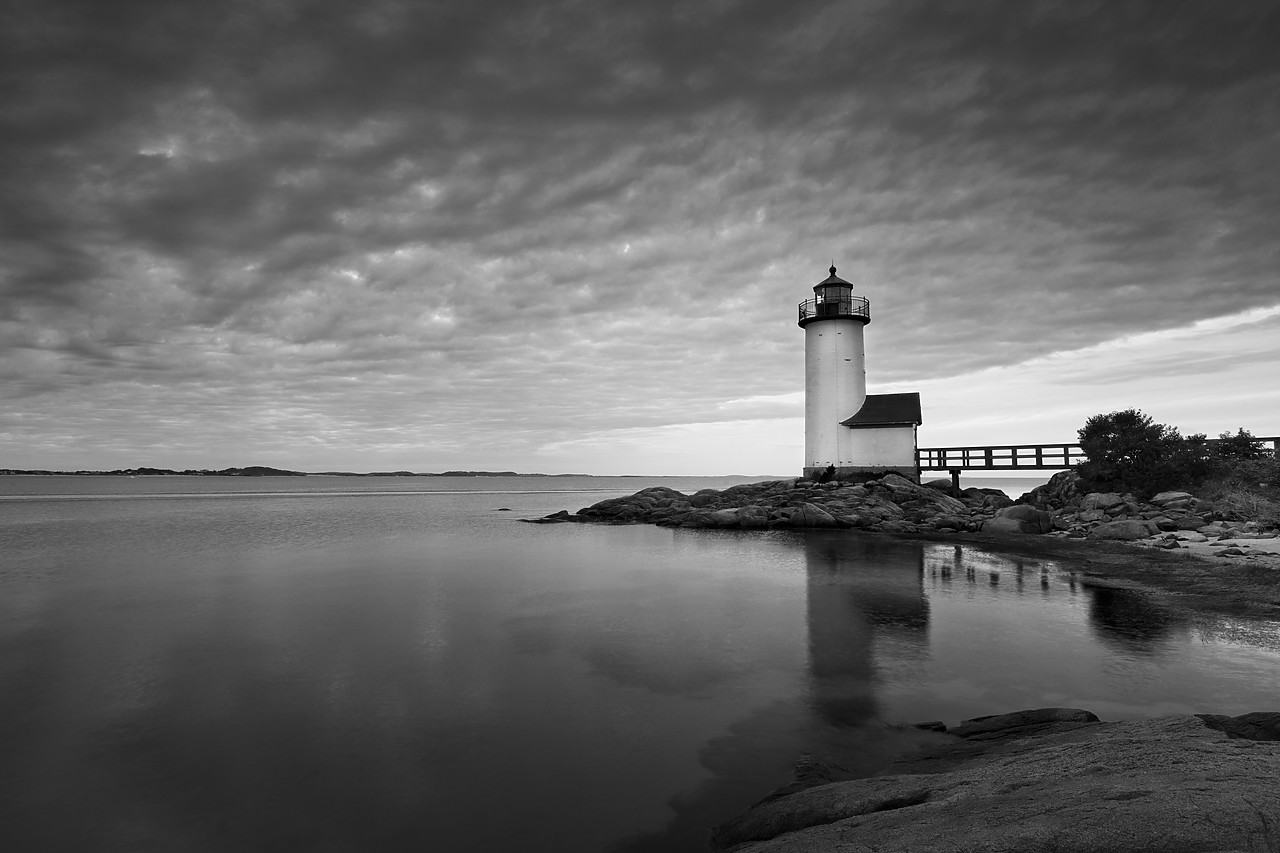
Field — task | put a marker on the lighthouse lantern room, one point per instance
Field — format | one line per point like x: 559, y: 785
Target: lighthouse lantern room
x: 849, y: 434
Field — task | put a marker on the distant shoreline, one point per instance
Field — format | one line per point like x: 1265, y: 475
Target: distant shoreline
x: 263, y: 471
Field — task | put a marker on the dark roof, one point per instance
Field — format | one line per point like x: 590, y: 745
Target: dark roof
x: 887, y: 410
x: 833, y: 279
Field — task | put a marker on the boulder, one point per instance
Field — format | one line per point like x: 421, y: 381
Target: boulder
x: 1003, y: 725
x: 1125, y: 530
x: 944, y: 487
x: 1170, y: 497
x: 1259, y: 725
x: 1028, y: 514
x: 1101, y: 500
x: 1009, y: 525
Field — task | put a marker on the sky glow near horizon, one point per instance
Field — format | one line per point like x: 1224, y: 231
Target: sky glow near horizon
x: 571, y: 238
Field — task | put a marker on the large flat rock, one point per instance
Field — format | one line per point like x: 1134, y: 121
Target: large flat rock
x: 1169, y: 784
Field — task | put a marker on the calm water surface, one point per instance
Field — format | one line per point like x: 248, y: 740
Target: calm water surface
x: 385, y: 664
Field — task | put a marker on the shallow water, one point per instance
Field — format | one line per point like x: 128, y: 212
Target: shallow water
x: 373, y: 664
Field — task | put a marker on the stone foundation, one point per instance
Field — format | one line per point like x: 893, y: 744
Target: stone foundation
x: 862, y: 473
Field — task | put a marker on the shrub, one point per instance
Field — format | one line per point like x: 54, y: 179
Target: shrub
x: 1242, y: 446
x: 1128, y: 452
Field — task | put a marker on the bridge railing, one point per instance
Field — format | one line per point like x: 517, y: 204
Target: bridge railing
x: 1010, y: 456
x: 1015, y: 457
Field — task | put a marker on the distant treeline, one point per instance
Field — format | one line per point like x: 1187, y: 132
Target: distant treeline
x: 264, y: 471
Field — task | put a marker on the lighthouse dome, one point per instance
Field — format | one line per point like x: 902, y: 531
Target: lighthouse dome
x: 833, y: 299
x: 833, y: 279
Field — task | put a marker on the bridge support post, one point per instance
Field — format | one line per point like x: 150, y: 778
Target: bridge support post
x: 955, y: 478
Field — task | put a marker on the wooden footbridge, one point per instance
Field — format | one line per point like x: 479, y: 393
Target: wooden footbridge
x: 1018, y: 457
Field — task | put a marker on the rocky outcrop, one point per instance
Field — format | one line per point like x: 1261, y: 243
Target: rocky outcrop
x: 891, y: 504
x: 1045, y: 780
x: 1169, y: 520
x: 894, y: 504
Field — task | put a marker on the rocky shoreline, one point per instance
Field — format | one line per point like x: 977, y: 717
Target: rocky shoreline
x: 1051, y: 779
x: 894, y: 504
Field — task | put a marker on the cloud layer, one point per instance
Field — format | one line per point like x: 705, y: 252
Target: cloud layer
x: 401, y: 234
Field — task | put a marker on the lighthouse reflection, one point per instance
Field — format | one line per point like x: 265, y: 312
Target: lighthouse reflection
x: 867, y: 613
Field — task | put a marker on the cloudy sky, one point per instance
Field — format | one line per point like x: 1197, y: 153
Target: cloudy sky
x: 570, y: 236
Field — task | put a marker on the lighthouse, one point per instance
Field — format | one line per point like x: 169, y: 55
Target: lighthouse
x: 848, y: 433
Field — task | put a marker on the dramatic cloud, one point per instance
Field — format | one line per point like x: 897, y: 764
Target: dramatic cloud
x: 570, y: 236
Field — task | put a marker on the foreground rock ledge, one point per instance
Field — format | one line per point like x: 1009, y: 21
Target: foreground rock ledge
x: 1046, y: 780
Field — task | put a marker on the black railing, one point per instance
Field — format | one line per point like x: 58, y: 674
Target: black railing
x: 1022, y: 456
x: 855, y: 306
x: 1010, y: 456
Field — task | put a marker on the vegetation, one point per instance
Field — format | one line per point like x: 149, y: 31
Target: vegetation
x: 1128, y: 452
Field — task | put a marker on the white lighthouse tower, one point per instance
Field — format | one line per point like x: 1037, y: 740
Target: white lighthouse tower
x: 848, y: 433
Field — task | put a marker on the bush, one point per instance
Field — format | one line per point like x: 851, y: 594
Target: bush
x: 1128, y: 452
x: 1239, y: 447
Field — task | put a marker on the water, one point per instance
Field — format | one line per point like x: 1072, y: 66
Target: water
x: 385, y: 663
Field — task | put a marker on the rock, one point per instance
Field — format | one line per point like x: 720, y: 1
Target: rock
x: 1007, y: 525
x: 1173, y: 783
x: 1123, y: 530
x: 1062, y: 489
x: 1002, y: 725
x: 1163, y: 522
x: 723, y: 517
x: 1101, y: 500
x: 944, y: 486
x: 1170, y: 497
x: 997, y: 501
x: 931, y: 726
x: 1259, y: 725
x: 811, y: 515
x: 1191, y: 536
x: 1038, y: 519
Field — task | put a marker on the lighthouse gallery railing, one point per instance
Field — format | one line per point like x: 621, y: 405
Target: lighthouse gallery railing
x: 854, y: 306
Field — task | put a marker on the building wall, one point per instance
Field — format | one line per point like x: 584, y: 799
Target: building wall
x: 872, y: 452
x: 835, y: 387
x: 890, y: 447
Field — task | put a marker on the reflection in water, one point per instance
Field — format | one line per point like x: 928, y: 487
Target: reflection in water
x: 866, y: 615
x: 1129, y: 622
x: 866, y: 603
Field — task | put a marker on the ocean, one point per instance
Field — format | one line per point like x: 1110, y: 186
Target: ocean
x: 332, y: 663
